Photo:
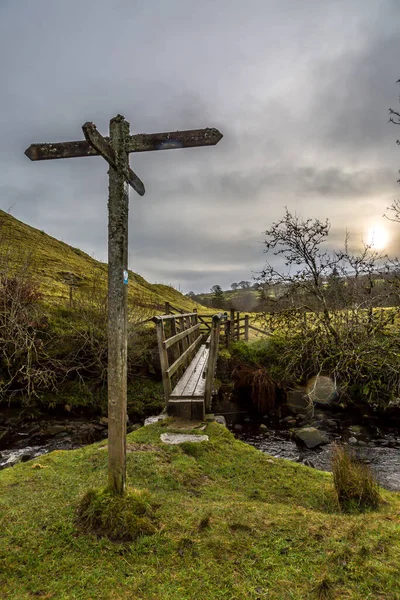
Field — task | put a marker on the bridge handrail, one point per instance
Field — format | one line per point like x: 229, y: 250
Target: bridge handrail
x: 189, y: 337
x: 169, y: 317
x: 181, y: 345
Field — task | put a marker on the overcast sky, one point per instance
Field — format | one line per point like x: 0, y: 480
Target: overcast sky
x: 300, y: 91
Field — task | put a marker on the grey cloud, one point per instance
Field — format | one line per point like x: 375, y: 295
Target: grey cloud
x: 300, y: 94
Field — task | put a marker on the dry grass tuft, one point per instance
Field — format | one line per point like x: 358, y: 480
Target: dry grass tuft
x: 355, y: 485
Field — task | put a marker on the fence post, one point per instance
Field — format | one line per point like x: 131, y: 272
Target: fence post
x: 212, y: 359
x: 246, y: 328
x: 228, y: 332
x: 174, y: 349
x: 238, y: 325
x: 167, y: 308
x: 163, y: 357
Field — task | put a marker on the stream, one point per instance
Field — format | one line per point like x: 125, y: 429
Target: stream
x: 376, y: 446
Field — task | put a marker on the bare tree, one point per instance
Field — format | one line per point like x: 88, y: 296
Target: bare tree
x: 325, y: 304
x: 393, y: 213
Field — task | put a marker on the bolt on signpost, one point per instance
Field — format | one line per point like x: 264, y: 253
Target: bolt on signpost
x: 115, y: 150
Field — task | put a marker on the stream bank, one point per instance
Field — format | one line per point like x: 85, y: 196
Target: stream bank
x: 376, y: 443
x: 370, y: 438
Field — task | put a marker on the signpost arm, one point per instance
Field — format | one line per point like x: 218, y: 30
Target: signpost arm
x: 118, y: 201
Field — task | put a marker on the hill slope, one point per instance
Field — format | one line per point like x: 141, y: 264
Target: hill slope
x: 57, y: 266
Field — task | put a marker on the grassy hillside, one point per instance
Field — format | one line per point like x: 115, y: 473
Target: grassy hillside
x: 56, y: 265
x: 231, y: 523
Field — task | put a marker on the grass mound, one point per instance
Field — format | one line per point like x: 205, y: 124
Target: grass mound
x: 355, y: 485
x: 229, y: 522
x: 120, y: 518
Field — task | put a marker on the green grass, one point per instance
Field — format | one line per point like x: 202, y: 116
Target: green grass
x: 54, y: 263
x: 232, y: 523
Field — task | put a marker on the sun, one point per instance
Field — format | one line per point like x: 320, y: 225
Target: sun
x: 377, y: 237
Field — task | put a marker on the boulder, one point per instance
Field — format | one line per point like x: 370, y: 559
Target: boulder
x: 356, y: 429
x: 298, y: 403
x: 54, y: 429
x: 220, y: 419
x: 134, y: 427
x: 330, y: 424
x: 322, y: 389
x: 27, y: 456
x: 310, y: 437
x: 263, y: 427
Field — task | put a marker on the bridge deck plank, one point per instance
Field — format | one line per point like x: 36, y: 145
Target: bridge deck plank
x: 192, y: 383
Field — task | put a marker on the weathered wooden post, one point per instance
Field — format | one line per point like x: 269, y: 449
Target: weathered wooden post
x: 115, y: 150
x: 228, y: 332
x: 246, y: 328
x: 238, y: 325
x: 212, y: 359
x: 167, y: 308
x: 163, y: 357
x: 232, y: 326
x: 118, y: 205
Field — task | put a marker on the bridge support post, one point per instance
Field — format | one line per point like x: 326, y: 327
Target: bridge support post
x: 212, y: 360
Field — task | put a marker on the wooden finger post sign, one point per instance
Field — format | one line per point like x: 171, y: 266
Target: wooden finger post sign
x: 115, y: 149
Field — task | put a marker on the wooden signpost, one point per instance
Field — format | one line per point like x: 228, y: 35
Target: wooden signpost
x: 115, y: 150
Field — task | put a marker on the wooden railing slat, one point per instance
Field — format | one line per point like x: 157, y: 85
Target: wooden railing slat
x: 179, y: 336
x: 259, y: 330
x: 166, y: 317
x: 175, y: 366
x: 163, y: 359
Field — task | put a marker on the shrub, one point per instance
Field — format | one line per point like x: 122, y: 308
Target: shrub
x: 256, y: 365
x: 355, y: 485
x: 25, y: 367
x: 120, y: 518
x: 144, y: 397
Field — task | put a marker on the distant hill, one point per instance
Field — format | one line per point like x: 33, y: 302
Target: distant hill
x: 57, y: 266
x: 246, y: 300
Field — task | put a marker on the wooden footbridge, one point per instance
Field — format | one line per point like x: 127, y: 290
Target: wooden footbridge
x: 188, y: 344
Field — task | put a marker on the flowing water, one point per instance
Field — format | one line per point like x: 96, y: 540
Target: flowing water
x: 383, y: 460
x: 376, y: 444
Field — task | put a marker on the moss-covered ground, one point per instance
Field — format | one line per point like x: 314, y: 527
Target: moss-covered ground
x: 232, y: 523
